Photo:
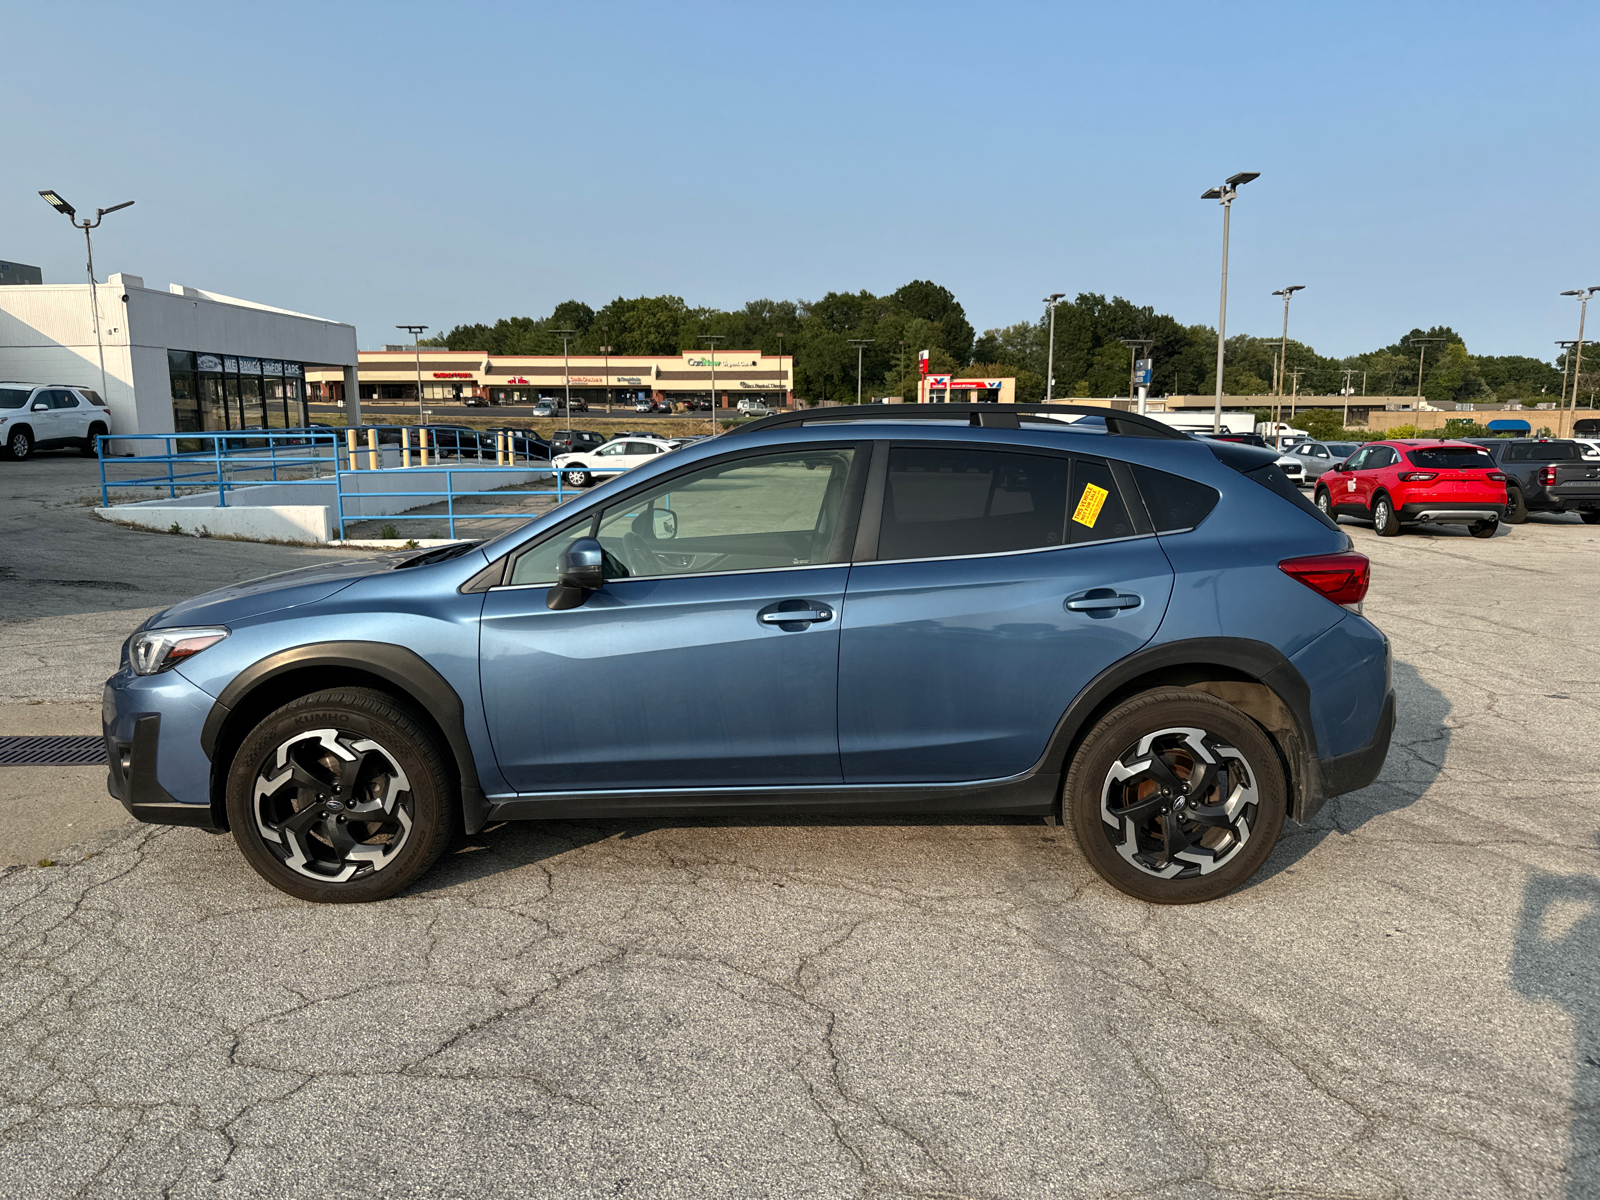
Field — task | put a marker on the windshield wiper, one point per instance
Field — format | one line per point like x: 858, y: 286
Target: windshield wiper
x: 437, y: 554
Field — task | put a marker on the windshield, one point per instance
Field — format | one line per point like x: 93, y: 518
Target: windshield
x: 1458, y: 458
x: 1342, y: 449
x: 14, y: 397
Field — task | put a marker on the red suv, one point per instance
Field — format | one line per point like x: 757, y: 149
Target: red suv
x: 1399, y: 483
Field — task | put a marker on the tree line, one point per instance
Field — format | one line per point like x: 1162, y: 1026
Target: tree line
x: 1091, y: 355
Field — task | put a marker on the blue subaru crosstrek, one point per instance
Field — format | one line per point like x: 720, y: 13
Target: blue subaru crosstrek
x: 898, y: 609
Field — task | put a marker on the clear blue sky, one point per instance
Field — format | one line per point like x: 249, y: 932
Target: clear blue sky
x: 377, y: 163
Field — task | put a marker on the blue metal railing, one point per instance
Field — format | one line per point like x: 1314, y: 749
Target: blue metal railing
x: 220, y: 460
x: 449, y: 494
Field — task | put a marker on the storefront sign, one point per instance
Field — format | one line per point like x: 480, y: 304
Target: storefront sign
x: 230, y: 364
x: 701, y: 360
x: 291, y: 369
x: 452, y: 374
x: 983, y: 384
x: 208, y: 362
x: 516, y: 379
x: 584, y: 379
x: 633, y: 379
x: 269, y: 367
x: 249, y: 366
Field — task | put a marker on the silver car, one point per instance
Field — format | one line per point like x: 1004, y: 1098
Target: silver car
x: 1318, y: 458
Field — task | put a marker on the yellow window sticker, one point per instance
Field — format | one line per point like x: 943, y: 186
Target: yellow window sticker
x: 1089, y: 505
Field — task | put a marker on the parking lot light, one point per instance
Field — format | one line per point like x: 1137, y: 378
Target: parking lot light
x: 1583, y: 295
x: 860, y: 344
x: 55, y: 201
x: 1224, y: 195
x: 416, y: 347
x: 1053, y: 299
x: 713, y: 339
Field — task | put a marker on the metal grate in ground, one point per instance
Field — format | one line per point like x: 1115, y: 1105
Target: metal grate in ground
x: 76, y: 751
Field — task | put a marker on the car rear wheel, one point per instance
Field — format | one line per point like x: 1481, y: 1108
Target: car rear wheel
x: 19, y: 444
x: 341, y: 797
x: 1485, y: 529
x: 1176, y: 797
x: 1325, y: 503
x: 1590, y: 516
x: 91, y: 444
x: 1516, y: 507
x: 1383, y: 518
x: 577, y: 479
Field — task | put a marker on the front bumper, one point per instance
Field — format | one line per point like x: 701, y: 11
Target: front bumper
x: 133, y: 782
x: 158, y: 770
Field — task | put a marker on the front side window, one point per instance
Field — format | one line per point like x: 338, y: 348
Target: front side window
x: 1358, y: 460
x: 748, y: 514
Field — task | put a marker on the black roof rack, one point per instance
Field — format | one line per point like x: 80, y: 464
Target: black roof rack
x: 989, y: 415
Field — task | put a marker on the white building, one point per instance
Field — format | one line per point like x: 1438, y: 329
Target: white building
x: 175, y: 361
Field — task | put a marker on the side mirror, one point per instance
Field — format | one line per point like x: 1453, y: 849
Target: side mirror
x: 666, y: 524
x: 1338, y: 466
x: 41, y: 407
x: 581, y: 571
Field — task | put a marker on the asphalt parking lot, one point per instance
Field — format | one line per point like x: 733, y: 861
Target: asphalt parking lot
x: 1404, y: 1003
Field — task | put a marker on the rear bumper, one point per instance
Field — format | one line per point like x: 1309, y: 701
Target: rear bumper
x: 1357, y: 769
x: 1453, y: 511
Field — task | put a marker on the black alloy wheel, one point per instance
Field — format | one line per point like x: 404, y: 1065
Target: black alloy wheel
x: 1590, y: 516
x: 19, y: 444
x: 341, y: 797
x: 1176, y: 797
x: 1516, y: 507
x: 1484, y: 529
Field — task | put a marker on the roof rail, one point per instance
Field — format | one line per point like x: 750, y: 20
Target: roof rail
x: 989, y: 415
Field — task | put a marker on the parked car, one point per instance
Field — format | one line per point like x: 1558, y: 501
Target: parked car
x: 631, y: 433
x: 1403, y: 482
x: 582, y: 468
x: 749, y: 406
x: 1316, y: 458
x: 644, y: 406
x: 461, y: 441
x: 476, y: 401
x: 575, y: 441
x: 544, y: 409
x: 1242, y: 439
x: 1546, y: 475
x: 1151, y: 636
x: 524, y: 443
x: 1588, y: 447
x: 50, y: 416
x: 1292, y: 469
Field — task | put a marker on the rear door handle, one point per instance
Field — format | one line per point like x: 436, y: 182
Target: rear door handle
x: 784, y: 616
x: 1099, y: 599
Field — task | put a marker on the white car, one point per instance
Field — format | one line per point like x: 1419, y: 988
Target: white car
x: 50, y: 416
x: 1589, y: 448
x: 1294, y: 469
x: 755, y: 408
x: 580, y: 470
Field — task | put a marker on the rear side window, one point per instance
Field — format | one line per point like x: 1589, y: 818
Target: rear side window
x: 1095, y: 512
x: 1174, y: 502
x: 1542, y: 452
x: 942, y: 502
x: 1456, y: 458
x: 14, y: 397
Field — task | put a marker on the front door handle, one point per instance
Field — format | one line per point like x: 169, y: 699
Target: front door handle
x: 807, y: 615
x: 1105, y: 600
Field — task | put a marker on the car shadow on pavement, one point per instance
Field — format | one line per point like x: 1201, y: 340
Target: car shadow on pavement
x: 1554, y: 959
x: 1416, y: 756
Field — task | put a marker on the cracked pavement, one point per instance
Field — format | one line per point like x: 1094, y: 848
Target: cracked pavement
x: 1404, y: 1003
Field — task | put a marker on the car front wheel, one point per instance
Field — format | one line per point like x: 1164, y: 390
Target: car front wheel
x: 577, y: 479
x: 19, y: 445
x: 1176, y: 797
x: 341, y: 796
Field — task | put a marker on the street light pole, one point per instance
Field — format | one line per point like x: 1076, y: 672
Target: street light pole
x: 416, y: 348
x: 1224, y: 195
x: 860, y: 344
x: 783, y: 392
x: 1566, y: 345
x: 713, y: 338
x: 54, y: 200
x: 606, y: 350
x: 1422, y: 357
x: 1583, y: 295
x: 1283, y: 346
x: 1053, y: 299
x: 566, y: 336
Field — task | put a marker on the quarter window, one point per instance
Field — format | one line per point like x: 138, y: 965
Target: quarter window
x: 1174, y: 502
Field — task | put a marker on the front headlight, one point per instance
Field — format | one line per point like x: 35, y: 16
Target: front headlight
x: 157, y: 650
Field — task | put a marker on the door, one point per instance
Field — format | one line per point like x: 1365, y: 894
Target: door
x: 1369, y: 476
x: 1005, y: 582
x: 709, y: 658
x: 51, y: 424
x: 76, y: 413
x: 1344, y: 492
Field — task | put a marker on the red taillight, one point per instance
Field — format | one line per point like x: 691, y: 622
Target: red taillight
x: 1417, y: 476
x: 1496, y: 476
x: 1547, y: 475
x: 1342, y: 578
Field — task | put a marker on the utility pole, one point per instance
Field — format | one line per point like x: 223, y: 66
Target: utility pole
x: 1053, y: 299
x: 1566, y: 365
x: 1583, y: 295
x: 1283, y: 344
x: 606, y: 350
x: 54, y: 200
x: 1224, y: 195
x: 566, y: 336
x: 900, y: 390
x: 860, y: 344
x: 783, y: 392
x: 1348, y: 371
x: 713, y: 339
x: 416, y: 348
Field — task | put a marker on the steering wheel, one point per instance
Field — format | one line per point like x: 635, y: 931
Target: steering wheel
x: 641, y: 559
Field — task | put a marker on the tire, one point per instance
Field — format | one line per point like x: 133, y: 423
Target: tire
x: 578, y: 479
x: 19, y: 445
x: 1325, y: 503
x: 1516, y: 507
x: 1383, y: 518
x: 344, y: 739
x: 1175, y: 729
x: 1590, y: 516
x: 91, y: 448
x: 1485, y: 529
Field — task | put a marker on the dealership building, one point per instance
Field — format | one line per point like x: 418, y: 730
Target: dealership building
x: 176, y: 361
x: 450, y: 376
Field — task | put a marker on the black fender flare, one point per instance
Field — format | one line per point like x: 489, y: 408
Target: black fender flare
x: 406, y: 670
x: 1257, y: 661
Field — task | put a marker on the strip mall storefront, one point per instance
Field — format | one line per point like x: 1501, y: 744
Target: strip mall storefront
x: 451, y: 376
